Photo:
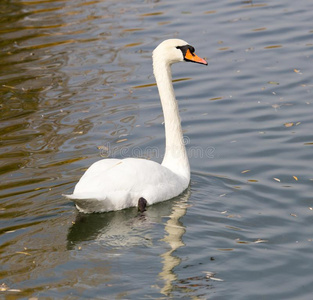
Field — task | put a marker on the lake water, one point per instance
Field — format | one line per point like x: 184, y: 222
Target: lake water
x: 76, y: 85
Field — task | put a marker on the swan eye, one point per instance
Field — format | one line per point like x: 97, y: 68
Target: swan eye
x: 189, y: 54
x: 185, y: 48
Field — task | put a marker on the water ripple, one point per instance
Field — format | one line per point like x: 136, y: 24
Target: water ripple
x: 76, y: 85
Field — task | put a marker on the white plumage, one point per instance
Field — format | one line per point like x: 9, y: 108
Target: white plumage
x: 115, y: 184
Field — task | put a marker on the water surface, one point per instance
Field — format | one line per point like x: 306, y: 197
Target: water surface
x: 76, y: 85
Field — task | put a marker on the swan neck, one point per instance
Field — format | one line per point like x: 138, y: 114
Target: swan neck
x: 175, y: 157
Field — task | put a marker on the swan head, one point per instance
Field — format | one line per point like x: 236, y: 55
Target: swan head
x: 176, y: 50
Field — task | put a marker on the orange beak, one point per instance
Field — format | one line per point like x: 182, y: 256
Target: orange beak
x: 194, y: 58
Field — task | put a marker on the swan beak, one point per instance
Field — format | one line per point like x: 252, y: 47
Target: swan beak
x: 194, y: 58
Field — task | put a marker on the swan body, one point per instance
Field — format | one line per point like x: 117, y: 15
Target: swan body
x: 115, y: 184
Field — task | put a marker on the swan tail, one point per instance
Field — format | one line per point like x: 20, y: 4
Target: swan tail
x: 81, y: 196
x: 89, y: 204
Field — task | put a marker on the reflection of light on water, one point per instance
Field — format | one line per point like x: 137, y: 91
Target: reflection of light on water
x: 175, y: 231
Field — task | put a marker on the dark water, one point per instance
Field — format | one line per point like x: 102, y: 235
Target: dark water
x: 76, y: 85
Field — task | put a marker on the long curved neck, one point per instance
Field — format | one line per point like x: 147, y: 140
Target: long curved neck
x: 175, y: 157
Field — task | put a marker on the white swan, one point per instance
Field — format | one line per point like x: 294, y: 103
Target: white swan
x: 115, y: 184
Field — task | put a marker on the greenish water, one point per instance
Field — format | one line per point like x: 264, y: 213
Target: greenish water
x: 76, y: 85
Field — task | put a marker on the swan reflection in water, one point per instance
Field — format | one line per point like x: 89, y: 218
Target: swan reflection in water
x: 130, y: 228
x: 175, y: 231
